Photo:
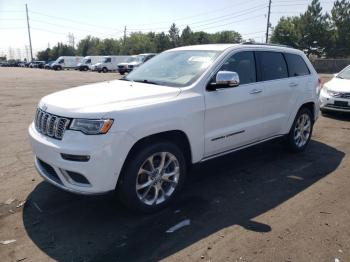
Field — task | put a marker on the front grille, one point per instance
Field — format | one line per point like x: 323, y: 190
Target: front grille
x: 50, y: 125
x: 121, y: 67
x: 342, y: 95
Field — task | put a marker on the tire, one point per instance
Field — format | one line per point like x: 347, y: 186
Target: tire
x: 301, y: 131
x: 104, y: 70
x: 122, y: 73
x: 145, y: 199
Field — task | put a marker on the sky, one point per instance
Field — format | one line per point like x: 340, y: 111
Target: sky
x: 52, y: 21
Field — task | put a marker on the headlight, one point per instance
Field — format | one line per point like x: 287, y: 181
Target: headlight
x: 91, y: 126
x: 331, y: 93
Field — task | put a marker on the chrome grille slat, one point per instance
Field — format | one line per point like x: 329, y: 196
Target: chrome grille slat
x: 342, y: 95
x: 50, y: 125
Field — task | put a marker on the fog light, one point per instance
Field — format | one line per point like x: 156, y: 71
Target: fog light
x: 78, y: 158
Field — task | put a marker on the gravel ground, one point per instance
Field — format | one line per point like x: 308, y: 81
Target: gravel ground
x: 260, y: 204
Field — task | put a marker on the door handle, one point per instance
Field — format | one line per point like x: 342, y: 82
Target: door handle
x: 255, y: 91
x: 293, y: 84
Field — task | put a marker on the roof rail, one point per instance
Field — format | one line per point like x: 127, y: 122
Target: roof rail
x: 265, y: 44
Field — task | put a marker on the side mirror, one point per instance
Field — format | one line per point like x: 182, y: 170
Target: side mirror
x: 224, y: 79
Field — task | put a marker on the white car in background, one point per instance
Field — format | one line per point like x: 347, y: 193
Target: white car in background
x: 335, y: 94
x: 187, y: 105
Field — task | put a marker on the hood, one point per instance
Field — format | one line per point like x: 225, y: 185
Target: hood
x: 97, y: 64
x: 338, y: 85
x: 96, y: 100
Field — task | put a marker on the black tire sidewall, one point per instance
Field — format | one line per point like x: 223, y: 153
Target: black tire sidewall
x: 291, y: 141
x: 126, y: 188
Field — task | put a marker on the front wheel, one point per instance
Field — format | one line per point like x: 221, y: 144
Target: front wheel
x: 152, y: 177
x: 301, y: 131
x: 104, y: 70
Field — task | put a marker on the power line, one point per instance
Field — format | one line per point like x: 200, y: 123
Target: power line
x: 235, y: 21
x: 218, y: 18
x: 72, y: 21
x: 198, y: 14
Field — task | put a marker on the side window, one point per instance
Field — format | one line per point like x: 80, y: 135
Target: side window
x: 272, y: 65
x: 242, y: 63
x: 296, y: 65
x: 61, y: 61
x: 108, y: 60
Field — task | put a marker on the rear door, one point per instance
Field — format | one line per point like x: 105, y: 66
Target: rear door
x: 278, y: 91
x: 233, y: 114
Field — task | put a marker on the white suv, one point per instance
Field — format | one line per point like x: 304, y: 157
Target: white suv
x: 140, y: 134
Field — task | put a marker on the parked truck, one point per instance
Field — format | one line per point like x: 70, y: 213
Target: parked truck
x: 109, y: 63
x: 66, y: 62
x: 88, y: 61
x: 133, y: 62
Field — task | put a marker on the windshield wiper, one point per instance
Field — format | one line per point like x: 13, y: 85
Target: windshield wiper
x: 340, y: 77
x: 146, y: 81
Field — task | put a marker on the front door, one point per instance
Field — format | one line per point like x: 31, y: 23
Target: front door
x: 233, y: 116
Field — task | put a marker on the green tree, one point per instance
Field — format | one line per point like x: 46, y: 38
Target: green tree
x: 287, y: 32
x: 162, y: 42
x: 88, y: 46
x: 109, y: 46
x: 174, y: 35
x: 187, y: 36
x: 61, y: 50
x: 227, y: 37
x: 139, y: 42
x: 44, y: 55
x: 315, y: 30
x: 202, y: 38
x: 341, y: 25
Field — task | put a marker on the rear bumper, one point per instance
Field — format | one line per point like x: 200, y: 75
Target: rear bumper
x: 98, y: 175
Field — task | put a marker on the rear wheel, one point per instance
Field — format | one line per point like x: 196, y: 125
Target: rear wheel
x: 301, y: 131
x: 152, y: 177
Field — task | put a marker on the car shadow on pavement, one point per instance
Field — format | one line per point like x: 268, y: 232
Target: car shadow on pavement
x: 340, y: 116
x: 220, y: 193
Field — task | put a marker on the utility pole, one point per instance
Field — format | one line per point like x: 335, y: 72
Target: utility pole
x: 30, y: 39
x: 124, y: 36
x: 71, y: 40
x: 268, y: 22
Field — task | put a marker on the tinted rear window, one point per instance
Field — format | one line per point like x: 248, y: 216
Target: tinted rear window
x: 272, y: 65
x: 296, y: 65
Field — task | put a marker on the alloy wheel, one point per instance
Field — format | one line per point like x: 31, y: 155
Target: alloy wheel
x: 302, y: 130
x: 157, y: 178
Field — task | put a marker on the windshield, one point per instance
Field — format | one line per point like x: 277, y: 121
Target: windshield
x: 131, y: 59
x: 107, y: 60
x: 87, y: 61
x: 345, y: 74
x: 174, y: 68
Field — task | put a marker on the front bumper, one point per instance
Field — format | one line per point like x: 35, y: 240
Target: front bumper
x: 98, y: 175
x: 329, y: 103
x: 124, y: 70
